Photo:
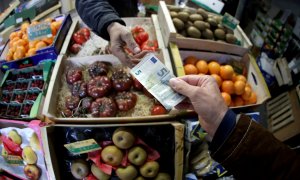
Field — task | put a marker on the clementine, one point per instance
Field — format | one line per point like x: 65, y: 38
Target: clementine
x: 228, y: 87
x: 239, y: 87
x: 227, y: 98
x: 214, y: 67
x: 190, y: 60
x: 226, y: 72
x: 190, y: 69
x: 218, y: 79
x: 202, y: 66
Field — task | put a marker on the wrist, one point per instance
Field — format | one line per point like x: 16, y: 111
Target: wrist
x: 112, y: 26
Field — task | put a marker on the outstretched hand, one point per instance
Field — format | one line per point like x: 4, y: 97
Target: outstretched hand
x: 119, y: 37
x: 204, y: 97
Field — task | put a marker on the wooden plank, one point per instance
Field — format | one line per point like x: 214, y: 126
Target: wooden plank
x: 47, y: 12
x: 284, y: 97
x: 278, y: 98
x: 283, y: 123
x: 298, y: 91
x: 281, y: 118
x: 166, y: 23
x: 274, y: 116
x: 179, y: 148
x: 277, y: 108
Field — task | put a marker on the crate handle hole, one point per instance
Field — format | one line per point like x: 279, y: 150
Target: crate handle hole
x: 254, y: 78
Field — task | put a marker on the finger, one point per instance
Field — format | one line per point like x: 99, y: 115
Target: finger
x: 119, y: 52
x: 130, y: 42
x: 184, y: 106
x: 137, y: 57
x: 197, y: 80
x: 183, y: 87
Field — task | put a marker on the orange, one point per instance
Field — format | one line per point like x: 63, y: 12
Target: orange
x: 57, y: 24
x: 31, y: 52
x: 253, y: 98
x: 34, y: 23
x: 20, y: 42
x: 190, y: 60
x: 53, y: 30
x: 13, y: 40
x: 40, y: 45
x: 227, y: 98
x: 9, y: 57
x: 20, y: 53
x: 24, y: 27
x: 241, y: 77
x: 233, y: 77
x: 218, y: 79
x: 50, y: 20
x: 248, y: 85
x: 226, y: 72
x: 228, y: 87
x: 239, y: 87
x: 247, y: 94
x: 214, y: 67
x: 20, y: 34
x: 202, y: 66
x: 12, y: 35
x: 25, y: 37
x: 33, y: 43
x: 201, y: 74
x: 190, y: 69
x: 238, y: 101
x: 48, y: 41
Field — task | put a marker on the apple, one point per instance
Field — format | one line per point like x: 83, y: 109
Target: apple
x: 28, y: 155
x: 137, y: 156
x: 127, y: 173
x: 112, y: 155
x: 34, y: 142
x: 79, y: 168
x: 149, y: 169
x: 140, y: 178
x: 163, y: 176
x: 98, y: 173
x: 15, y: 137
x: 32, y: 172
x: 123, y: 138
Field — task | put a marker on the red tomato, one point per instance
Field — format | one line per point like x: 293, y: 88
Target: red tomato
x: 79, y: 38
x: 158, y: 110
x: 141, y: 37
x: 75, y: 48
x: 137, y: 85
x: 150, y: 45
x: 85, y: 32
x: 137, y: 29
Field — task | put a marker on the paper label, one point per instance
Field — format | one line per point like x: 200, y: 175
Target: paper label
x: 19, y: 20
x: 39, y: 31
x: 229, y: 21
x: 14, y: 160
x: 81, y: 147
x: 155, y: 76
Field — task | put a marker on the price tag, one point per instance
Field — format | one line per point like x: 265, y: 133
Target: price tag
x: 39, y: 31
x: 81, y: 147
x: 155, y: 76
x: 19, y: 20
x: 14, y: 160
x: 229, y: 21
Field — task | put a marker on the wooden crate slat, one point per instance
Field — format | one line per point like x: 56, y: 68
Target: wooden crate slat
x: 285, y: 109
x: 277, y: 108
x: 282, y: 117
x: 283, y: 123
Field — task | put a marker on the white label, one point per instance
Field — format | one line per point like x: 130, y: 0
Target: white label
x: 19, y: 20
x: 155, y: 76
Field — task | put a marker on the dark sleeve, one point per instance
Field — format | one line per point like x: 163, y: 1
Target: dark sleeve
x: 251, y: 152
x: 98, y: 15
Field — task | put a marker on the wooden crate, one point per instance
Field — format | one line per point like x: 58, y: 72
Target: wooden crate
x: 51, y: 100
x: 254, y: 76
x: 284, y: 115
x: 171, y: 133
x: 169, y: 35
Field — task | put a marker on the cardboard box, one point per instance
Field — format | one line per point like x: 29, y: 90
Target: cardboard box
x: 164, y: 137
x: 254, y: 76
x: 50, y: 107
x: 169, y: 35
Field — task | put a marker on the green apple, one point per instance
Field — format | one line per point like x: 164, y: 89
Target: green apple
x: 79, y: 168
x: 163, y: 176
x: 123, y: 138
x: 15, y: 137
x: 127, y: 173
x: 149, y: 169
x: 112, y: 155
x: 32, y: 172
x: 29, y: 156
x: 98, y: 173
x: 137, y: 156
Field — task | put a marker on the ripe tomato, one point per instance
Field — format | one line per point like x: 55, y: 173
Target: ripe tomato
x: 141, y: 37
x: 75, y: 48
x: 137, y: 29
x: 158, y: 110
x: 85, y: 32
x: 150, y: 45
x: 79, y: 38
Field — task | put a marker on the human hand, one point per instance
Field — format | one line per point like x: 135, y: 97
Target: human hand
x: 119, y: 37
x: 205, y: 98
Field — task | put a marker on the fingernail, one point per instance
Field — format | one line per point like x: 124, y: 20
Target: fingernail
x: 136, y: 50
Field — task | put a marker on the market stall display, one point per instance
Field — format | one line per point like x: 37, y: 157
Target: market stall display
x: 23, y: 92
x: 158, y: 145
x: 21, y: 150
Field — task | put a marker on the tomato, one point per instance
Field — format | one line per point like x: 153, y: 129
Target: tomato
x: 75, y: 48
x: 150, y: 45
x: 73, y: 75
x: 121, y: 80
x: 125, y: 100
x: 85, y: 32
x: 104, y: 107
x: 141, y: 37
x: 99, y: 86
x: 137, y: 85
x: 158, y: 110
x: 79, y: 38
x: 71, y: 102
x: 137, y: 29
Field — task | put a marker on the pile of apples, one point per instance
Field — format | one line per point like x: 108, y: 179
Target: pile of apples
x: 129, y: 160
x: 235, y: 89
x: 20, y: 46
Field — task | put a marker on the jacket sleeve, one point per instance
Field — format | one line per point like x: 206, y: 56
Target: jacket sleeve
x: 97, y: 14
x: 251, y: 152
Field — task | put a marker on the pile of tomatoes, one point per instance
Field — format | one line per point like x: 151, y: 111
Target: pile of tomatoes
x: 141, y: 37
x: 20, y: 46
x: 235, y: 89
x: 79, y: 38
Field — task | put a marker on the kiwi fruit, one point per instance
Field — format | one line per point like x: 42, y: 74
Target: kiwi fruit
x: 230, y: 38
x: 173, y: 14
x: 207, y: 25
x: 229, y: 31
x: 218, y: 19
x: 188, y: 24
x: 183, y: 33
x: 183, y: 16
x: 208, y: 34
x: 179, y: 25
x: 200, y: 25
x: 195, y: 17
x: 212, y: 22
x: 174, y: 8
x: 219, y: 34
x: 220, y: 26
x: 203, y: 13
x: 193, y: 32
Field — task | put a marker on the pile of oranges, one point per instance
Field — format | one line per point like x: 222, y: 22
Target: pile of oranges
x: 234, y: 87
x: 20, y: 46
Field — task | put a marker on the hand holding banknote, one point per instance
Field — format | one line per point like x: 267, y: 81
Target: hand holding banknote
x: 204, y: 97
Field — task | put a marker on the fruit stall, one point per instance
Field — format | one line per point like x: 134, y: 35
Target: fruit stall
x: 69, y: 109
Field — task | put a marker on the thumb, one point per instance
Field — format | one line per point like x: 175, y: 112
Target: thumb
x: 131, y: 44
x: 182, y: 87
